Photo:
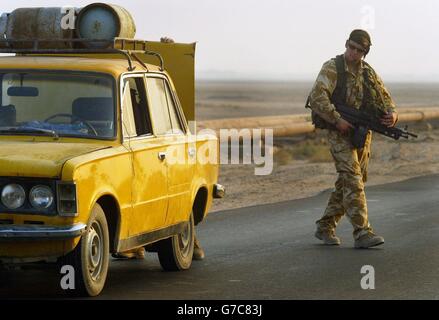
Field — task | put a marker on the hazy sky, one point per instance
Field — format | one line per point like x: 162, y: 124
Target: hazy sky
x: 281, y: 39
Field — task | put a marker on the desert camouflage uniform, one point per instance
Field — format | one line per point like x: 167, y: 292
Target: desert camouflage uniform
x: 351, y: 164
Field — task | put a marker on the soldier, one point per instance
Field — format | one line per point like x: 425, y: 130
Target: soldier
x: 349, y: 80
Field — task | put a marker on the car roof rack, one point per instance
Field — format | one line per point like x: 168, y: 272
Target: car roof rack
x: 127, y: 47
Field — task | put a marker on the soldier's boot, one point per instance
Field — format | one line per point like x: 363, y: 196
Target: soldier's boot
x: 328, y: 237
x: 198, y: 251
x: 368, y: 240
x: 138, y: 253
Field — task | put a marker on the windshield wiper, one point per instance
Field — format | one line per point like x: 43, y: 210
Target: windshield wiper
x: 30, y: 130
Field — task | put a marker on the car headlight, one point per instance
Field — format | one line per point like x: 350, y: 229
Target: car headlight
x: 13, y: 196
x: 41, y: 197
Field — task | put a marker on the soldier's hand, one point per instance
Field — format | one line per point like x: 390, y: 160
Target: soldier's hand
x: 343, y: 126
x: 166, y: 40
x: 389, y: 119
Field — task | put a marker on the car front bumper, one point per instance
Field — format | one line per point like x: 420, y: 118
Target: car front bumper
x: 25, y: 232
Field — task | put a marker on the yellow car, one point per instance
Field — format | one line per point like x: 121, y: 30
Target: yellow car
x: 96, y: 157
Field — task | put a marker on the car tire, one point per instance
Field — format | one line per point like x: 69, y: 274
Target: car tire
x: 91, y: 256
x: 175, y: 253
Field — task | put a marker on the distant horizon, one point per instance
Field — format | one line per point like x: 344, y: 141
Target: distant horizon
x: 274, y: 79
x: 286, y: 39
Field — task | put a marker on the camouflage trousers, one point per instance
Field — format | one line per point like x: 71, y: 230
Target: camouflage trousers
x: 348, y: 196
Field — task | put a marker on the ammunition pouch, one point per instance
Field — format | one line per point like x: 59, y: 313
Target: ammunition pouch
x: 358, y: 138
x: 318, y: 121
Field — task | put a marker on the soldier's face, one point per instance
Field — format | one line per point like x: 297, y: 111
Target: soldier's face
x: 354, y: 51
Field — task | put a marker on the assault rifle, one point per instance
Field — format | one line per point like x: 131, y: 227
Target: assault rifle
x: 363, y: 121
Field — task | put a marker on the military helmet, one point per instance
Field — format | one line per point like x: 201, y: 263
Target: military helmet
x: 362, y: 38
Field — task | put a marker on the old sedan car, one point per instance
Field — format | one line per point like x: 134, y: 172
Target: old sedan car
x: 96, y: 157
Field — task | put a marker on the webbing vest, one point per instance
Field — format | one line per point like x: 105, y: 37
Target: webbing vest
x: 339, y: 94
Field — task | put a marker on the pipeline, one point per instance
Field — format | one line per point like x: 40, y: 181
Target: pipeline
x: 292, y: 125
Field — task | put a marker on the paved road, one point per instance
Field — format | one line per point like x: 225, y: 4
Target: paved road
x: 269, y: 252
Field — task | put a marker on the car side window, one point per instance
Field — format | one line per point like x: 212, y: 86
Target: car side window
x: 135, y: 109
x: 158, y: 106
x: 175, y: 120
x: 128, y: 125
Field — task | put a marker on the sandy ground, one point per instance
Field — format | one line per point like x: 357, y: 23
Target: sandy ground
x: 295, y: 176
x: 293, y: 179
x: 216, y: 100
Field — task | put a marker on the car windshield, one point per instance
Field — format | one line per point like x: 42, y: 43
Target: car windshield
x: 67, y: 104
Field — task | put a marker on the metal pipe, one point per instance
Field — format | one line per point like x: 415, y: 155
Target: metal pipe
x: 291, y: 125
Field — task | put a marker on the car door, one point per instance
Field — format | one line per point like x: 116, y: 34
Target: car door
x: 180, y: 155
x: 149, y: 182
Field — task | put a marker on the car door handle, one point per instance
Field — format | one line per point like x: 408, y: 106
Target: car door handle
x: 191, y: 152
x: 162, y: 155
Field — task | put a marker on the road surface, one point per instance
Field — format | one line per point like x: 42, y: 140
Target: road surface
x: 269, y: 252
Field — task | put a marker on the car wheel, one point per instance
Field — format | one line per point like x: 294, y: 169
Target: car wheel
x: 175, y: 253
x: 90, y: 258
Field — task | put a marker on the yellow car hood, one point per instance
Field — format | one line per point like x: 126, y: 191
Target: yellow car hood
x: 39, y: 159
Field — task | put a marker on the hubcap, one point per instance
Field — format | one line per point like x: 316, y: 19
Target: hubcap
x: 184, y: 240
x: 96, y: 250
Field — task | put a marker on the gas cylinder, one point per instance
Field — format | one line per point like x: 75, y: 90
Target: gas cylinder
x: 35, y: 23
x: 104, y: 22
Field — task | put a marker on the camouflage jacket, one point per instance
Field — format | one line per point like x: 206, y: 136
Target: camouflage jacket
x: 324, y: 86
